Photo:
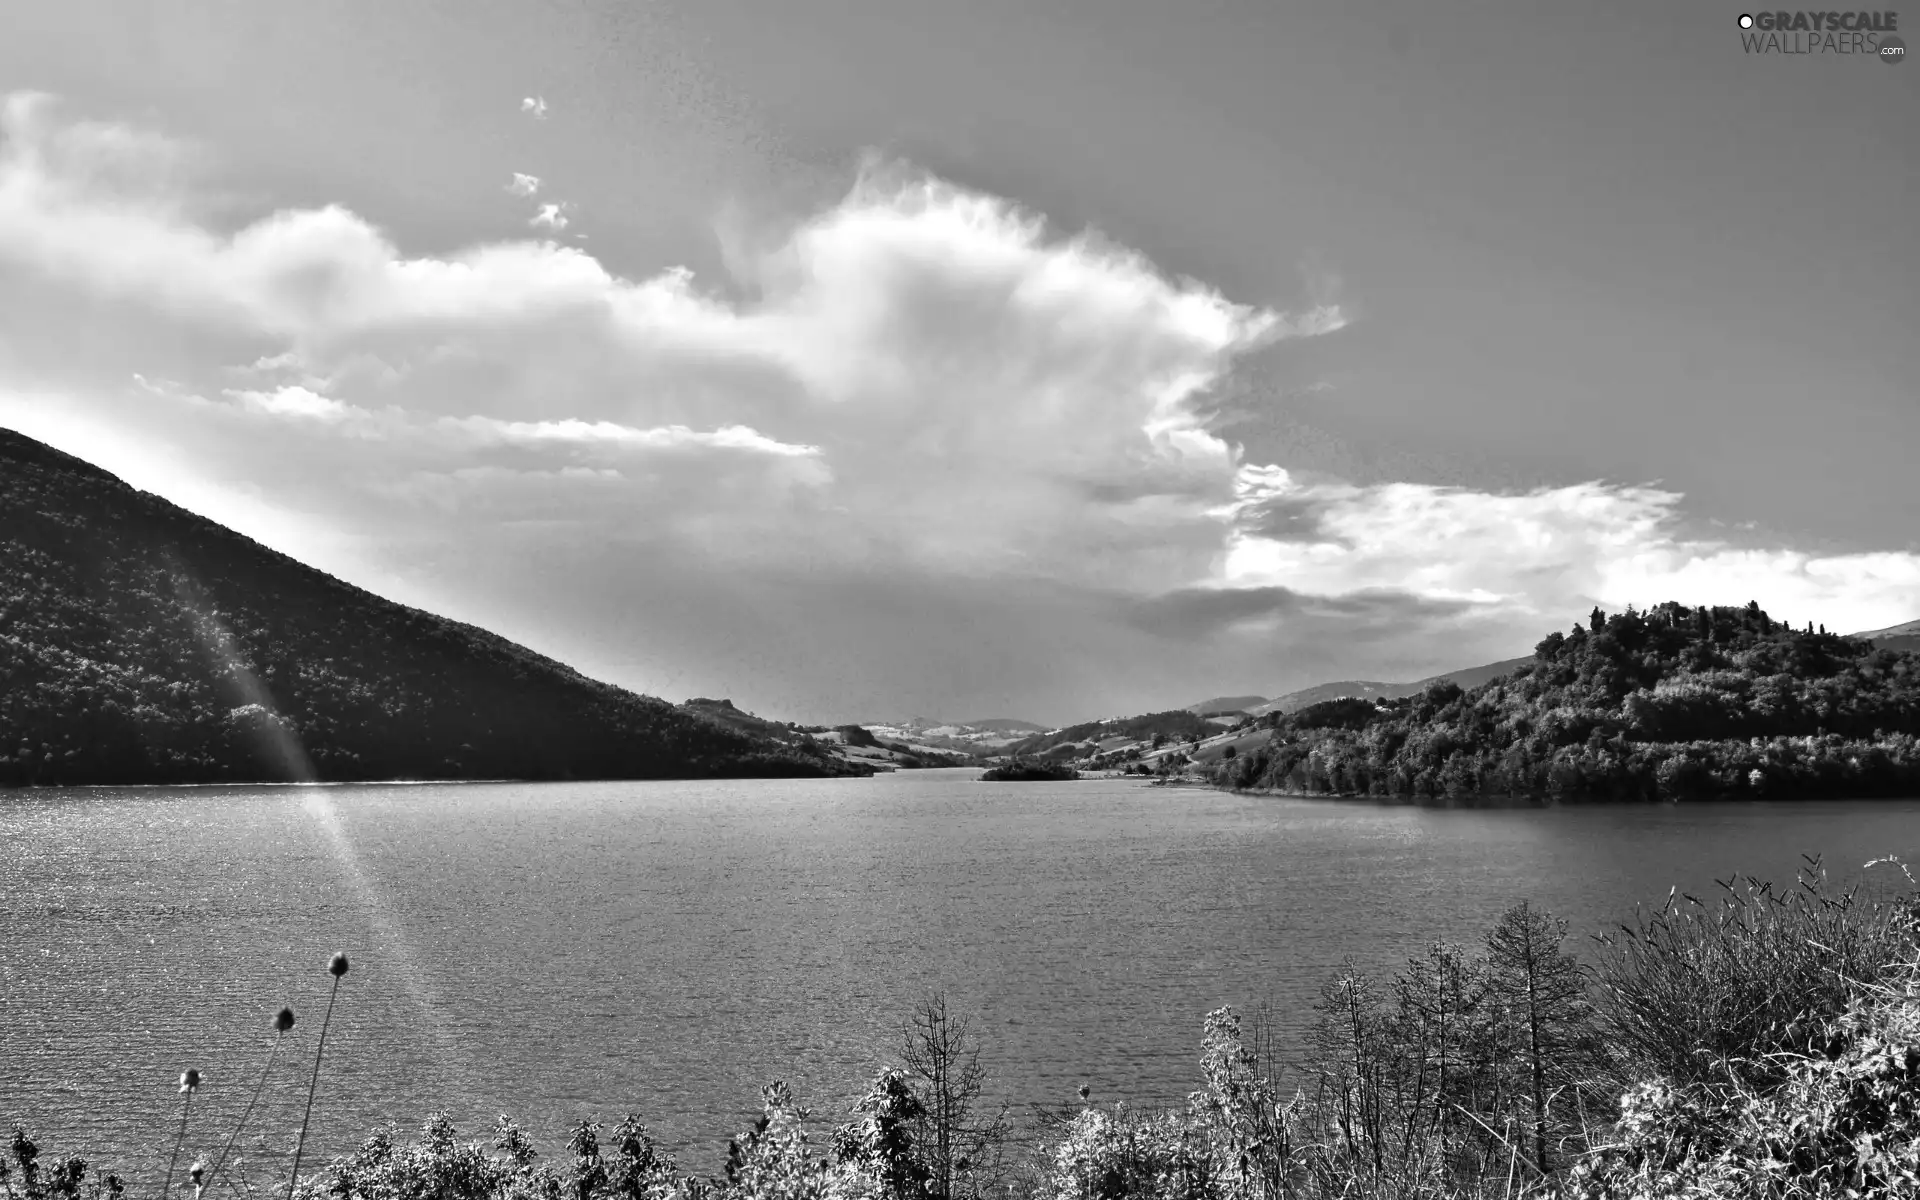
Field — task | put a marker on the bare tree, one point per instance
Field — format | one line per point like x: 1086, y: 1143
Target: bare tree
x: 1542, y: 987
x: 960, y: 1143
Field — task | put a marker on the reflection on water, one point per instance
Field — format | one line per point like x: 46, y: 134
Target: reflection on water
x: 558, y: 950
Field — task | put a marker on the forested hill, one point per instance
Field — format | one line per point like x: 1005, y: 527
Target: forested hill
x: 1674, y: 703
x: 140, y: 643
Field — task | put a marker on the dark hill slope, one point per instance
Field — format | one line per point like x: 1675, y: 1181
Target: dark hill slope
x: 1675, y: 703
x: 140, y: 643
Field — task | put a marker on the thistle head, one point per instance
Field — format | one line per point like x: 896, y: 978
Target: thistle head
x: 189, y: 1079
x: 283, y: 1020
x: 337, y: 966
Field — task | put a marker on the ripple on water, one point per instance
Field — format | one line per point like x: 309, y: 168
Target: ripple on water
x: 558, y: 950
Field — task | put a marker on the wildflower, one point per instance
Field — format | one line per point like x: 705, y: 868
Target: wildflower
x: 189, y: 1081
x: 336, y: 967
x: 282, y: 1021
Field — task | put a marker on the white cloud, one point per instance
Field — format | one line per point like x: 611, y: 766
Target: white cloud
x: 1539, y: 553
x: 730, y: 437
x: 535, y: 105
x: 523, y: 185
x: 295, y: 402
x: 921, y: 383
x: 550, y: 216
x: 450, y: 434
x: 986, y: 394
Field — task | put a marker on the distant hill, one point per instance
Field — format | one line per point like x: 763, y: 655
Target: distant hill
x: 857, y: 743
x: 1004, y: 725
x: 971, y: 738
x: 1468, y: 677
x: 1226, y: 704
x: 1675, y: 703
x: 723, y: 712
x: 909, y: 724
x: 1473, y: 677
x: 1362, y: 688
x: 1894, y: 637
x: 140, y: 643
x: 1176, y: 724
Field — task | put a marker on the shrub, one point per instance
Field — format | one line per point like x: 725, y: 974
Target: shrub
x: 1712, y: 991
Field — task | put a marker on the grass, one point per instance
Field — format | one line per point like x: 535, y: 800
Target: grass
x: 1756, y: 1044
x: 1714, y: 991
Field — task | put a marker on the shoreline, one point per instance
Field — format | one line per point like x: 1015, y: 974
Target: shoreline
x: 1506, y: 801
x: 1396, y: 801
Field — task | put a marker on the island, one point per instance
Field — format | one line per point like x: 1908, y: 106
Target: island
x: 1029, y: 770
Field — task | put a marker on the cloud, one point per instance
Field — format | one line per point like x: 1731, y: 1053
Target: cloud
x: 987, y: 394
x: 295, y: 402
x: 919, y: 391
x: 300, y: 403
x: 550, y: 216
x: 524, y: 185
x: 535, y: 105
x: 1537, y: 554
x: 669, y: 437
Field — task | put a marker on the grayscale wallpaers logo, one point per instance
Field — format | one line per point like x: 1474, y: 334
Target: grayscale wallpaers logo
x: 1867, y: 34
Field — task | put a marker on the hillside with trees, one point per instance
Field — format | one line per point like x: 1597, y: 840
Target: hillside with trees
x: 140, y: 643
x: 1674, y: 703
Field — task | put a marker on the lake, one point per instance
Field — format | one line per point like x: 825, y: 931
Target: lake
x: 558, y: 950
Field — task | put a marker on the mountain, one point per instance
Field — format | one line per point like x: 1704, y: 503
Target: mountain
x: 1004, y: 725
x: 1473, y: 677
x: 1319, y: 693
x: 1221, y: 705
x: 140, y: 643
x: 1893, y: 637
x: 1177, y: 724
x: 857, y: 743
x: 1469, y: 677
x: 927, y: 736
x: 1674, y: 703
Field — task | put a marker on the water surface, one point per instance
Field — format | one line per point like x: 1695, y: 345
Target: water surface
x: 559, y: 950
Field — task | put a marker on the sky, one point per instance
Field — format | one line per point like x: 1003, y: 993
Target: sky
x: 1050, y: 359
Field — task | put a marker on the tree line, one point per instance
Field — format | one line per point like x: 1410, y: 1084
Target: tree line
x: 1674, y: 703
